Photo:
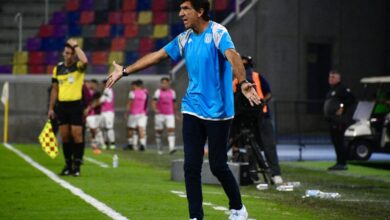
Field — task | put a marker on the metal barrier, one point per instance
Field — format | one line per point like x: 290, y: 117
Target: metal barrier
x: 19, y: 20
x: 300, y: 122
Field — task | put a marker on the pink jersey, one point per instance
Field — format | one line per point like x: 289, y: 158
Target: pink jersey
x: 140, y: 101
x: 93, y: 95
x: 107, y: 100
x: 165, y: 101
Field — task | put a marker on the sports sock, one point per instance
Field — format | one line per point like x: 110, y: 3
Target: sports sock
x: 171, y: 140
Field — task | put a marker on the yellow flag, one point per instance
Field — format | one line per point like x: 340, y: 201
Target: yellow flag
x: 48, y: 140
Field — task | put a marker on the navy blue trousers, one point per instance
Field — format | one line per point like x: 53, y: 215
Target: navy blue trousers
x: 195, y: 133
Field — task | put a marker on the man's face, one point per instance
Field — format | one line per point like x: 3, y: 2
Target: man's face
x: 334, y: 79
x: 94, y: 86
x: 165, y: 84
x: 188, y: 14
x: 68, y: 55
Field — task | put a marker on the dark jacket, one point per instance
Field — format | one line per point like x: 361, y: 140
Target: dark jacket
x: 339, y: 95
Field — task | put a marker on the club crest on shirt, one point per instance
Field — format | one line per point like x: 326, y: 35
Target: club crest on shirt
x: 208, y: 38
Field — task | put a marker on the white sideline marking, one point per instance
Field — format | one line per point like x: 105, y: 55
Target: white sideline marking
x: 215, y: 207
x: 101, y: 164
x: 103, y: 208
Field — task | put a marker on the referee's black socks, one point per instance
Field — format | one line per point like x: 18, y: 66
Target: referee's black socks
x: 67, y: 149
x: 78, y: 153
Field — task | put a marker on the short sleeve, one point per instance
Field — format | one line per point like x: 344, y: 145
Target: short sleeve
x: 81, y: 66
x: 156, y: 94
x: 225, y: 43
x: 174, y: 95
x: 54, y: 76
x: 173, y: 49
x: 131, y: 95
x: 265, y: 85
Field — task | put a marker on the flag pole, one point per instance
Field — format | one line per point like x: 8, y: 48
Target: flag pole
x: 5, y: 138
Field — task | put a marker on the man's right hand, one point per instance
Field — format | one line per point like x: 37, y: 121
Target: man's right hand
x: 115, y: 75
x: 50, y: 114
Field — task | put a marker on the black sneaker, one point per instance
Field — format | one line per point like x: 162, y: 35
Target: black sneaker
x: 129, y: 147
x: 172, y: 151
x: 76, y: 171
x: 66, y: 171
x: 142, y: 147
x: 338, y: 167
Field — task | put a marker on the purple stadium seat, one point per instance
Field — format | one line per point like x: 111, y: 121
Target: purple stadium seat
x: 52, y: 58
x: 99, y: 69
x: 58, y: 17
x: 60, y: 30
x: 33, y: 44
x: 5, y: 69
x: 86, y: 4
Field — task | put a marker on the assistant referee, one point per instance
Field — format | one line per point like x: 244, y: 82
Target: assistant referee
x: 67, y: 83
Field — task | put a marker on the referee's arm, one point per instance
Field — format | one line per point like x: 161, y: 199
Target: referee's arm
x: 53, y: 99
x: 79, y: 52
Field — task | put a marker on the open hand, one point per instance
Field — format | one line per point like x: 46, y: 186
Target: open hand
x: 115, y: 75
x: 250, y: 93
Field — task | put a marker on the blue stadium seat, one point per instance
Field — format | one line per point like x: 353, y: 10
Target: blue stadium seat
x: 143, y: 5
x: 117, y: 30
x: 131, y: 57
x: 73, y: 17
x: 74, y: 30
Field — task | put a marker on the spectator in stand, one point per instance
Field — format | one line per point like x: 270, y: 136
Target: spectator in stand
x: 164, y: 106
x: 136, y: 117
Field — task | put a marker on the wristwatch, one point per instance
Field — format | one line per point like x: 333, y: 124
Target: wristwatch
x: 242, y: 82
x: 124, y: 73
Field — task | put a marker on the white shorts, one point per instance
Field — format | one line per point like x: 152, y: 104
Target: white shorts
x: 93, y: 121
x: 137, y: 121
x: 162, y: 121
x: 107, y: 120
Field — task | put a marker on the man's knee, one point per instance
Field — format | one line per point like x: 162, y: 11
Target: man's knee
x: 218, y: 169
x: 192, y: 169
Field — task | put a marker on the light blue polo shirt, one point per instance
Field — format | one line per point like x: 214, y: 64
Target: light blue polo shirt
x: 210, y: 92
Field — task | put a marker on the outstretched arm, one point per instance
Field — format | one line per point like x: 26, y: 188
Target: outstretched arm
x: 239, y: 72
x: 144, y: 62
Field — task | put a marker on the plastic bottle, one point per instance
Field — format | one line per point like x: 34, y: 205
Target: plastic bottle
x: 115, y: 161
x: 312, y: 193
x: 262, y: 186
x: 322, y: 195
x: 294, y: 184
x: 285, y: 188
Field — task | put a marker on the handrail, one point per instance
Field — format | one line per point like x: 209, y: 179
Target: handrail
x: 238, y: 14
x: 19, y: 19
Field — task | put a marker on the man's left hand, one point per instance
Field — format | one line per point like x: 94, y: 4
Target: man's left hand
x: 250, y: 93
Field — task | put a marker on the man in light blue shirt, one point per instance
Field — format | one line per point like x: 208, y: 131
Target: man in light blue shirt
x: 208, y: 104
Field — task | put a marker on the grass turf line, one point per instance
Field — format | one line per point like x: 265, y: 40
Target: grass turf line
x: 140, y: 189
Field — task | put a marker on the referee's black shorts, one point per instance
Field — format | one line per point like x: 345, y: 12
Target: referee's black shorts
x: 70, y: 113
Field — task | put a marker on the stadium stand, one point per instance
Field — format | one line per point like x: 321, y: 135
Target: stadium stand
x: 122, y: 30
